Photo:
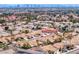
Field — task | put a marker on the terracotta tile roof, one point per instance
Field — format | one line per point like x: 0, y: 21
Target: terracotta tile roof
x: 75, y: 40
x: 48, y: 48
x: 59, y: 45
x: 49, y: 30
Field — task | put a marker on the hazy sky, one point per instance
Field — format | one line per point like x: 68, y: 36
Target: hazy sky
x: 38, y: 5
x: 39, y: 1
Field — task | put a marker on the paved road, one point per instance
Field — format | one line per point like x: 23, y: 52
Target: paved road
x: 23, y: 51
x: 74, y: 51
x: 9, y: 51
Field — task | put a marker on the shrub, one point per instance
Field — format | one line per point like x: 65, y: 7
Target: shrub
x: 2, y: 21
x: 26, y: 46
x: 3, y: 45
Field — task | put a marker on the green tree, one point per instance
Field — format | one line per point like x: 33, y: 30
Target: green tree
x: 26, y: 46
x: 2, y: 21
